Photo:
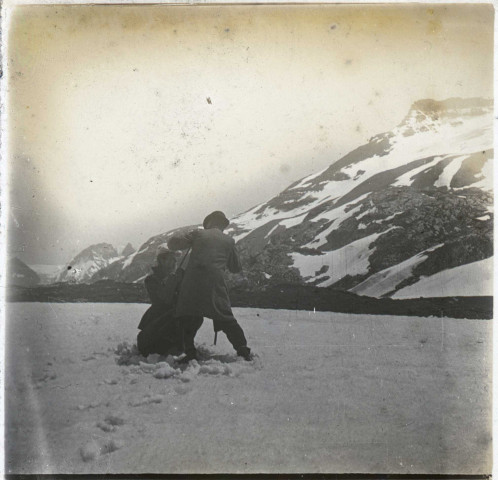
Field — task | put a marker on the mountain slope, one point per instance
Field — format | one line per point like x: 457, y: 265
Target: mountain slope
x: 18, y: 273
x: 128, y: 250
x: 82, y: 267
x: 136, y: 266
x: 416, y: 200
x: 408, y: 204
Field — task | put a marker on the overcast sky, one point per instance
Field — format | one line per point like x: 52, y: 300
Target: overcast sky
x: 126, y: 121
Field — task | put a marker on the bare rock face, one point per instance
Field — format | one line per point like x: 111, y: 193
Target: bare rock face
x: 128, y: 250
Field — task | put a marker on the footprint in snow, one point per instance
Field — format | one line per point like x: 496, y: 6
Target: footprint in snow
x: 45, y: 379
x: 89, y: 406
x: 146, y: 400
x: 88, y: 358
x: 111, y: 381
x: 110, y: 423
x: 91, y: 450
x: 114, y: 420
x: 47, y: 376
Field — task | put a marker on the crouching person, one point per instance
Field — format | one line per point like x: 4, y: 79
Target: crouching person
x: 159, y: 329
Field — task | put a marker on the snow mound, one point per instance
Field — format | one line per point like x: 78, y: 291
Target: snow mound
x: 128, y: 354
x: 164, y: 370
x: 211, y: 363
x: 161, y: 367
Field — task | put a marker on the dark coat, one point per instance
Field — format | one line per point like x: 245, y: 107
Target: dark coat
x: 156, y: 288
x: 204, y: 291
x: 159, y: 327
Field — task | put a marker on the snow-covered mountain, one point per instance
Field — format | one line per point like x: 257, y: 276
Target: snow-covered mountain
x: 136, y: 266
x: 82, y: 267
x: 407, y: 205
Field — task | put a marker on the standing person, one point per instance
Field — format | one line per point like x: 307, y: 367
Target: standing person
x: 204, y: 292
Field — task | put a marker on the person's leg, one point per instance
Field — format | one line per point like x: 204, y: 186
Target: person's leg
x: 235, y: 335
x: 170, y: 336
x: 191, y: 325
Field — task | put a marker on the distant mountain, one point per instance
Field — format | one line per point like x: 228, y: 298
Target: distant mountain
x: 18, y: 273
x: 135, y: 267
x: 127, y: 250
x: 47, y: 273
x: 82, y: 267
x: 407, y: 205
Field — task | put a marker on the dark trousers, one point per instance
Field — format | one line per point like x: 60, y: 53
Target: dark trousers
x: 228, y: 325
x: 190, y: 325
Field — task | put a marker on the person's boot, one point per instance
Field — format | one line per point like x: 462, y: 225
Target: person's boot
x: 245, y: 353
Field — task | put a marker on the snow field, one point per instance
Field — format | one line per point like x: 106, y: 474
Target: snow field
x: 330, y: 393
x: 471, y: 279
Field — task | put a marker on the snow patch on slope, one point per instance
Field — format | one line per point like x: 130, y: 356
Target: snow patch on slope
x: 336, y: 216
x: 449, y: 172
x: 486, y: 183
x: 472, y: 279
x: 352, y: 259
x: 293, y: 221
x: 407, y: 179
x: 306, y: 180
x: 388, y: 279
x: 129, y: 259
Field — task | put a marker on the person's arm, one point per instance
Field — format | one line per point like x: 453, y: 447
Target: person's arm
x: 182, y: 241
x: 233, y: 263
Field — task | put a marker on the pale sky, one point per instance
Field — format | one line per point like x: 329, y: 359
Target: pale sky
x: 126, y: 121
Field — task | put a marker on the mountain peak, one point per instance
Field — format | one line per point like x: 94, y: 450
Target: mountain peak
x: 430, y: 115
x: 128, y: 250
x: 103, y: 248
x: 430, y: 106
x: 87, y: 262
x: 429, y: 111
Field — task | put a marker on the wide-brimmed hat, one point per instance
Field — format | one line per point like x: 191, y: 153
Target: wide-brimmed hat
x: 218, y: 218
